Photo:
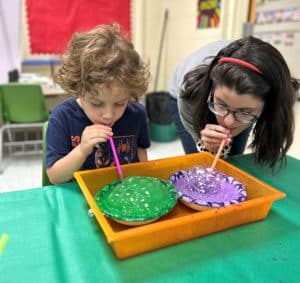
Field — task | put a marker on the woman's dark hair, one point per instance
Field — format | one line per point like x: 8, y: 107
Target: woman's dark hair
x: 273, y: 132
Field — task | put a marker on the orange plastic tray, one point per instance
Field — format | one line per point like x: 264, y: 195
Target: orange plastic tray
x: 182, y: 223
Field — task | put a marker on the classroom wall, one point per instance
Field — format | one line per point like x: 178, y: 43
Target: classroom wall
x: 9, y: 37
x: 182, y: 36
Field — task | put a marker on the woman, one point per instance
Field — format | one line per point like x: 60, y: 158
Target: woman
x: 247, y: 85
x: 201, y: 56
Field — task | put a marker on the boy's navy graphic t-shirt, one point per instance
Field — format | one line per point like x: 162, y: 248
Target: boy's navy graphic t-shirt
x: 68, y: 120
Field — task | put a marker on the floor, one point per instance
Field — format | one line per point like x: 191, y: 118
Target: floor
x: 24, y: 172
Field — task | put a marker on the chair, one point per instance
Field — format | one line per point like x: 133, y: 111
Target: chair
x: 45, y: 178
x: 23, y: 109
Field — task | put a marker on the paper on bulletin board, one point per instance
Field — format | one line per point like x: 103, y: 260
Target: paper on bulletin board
x: 278, y: 22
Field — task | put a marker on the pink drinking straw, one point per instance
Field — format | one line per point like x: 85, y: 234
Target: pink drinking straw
x: 116, y: 158
x: 212, y: 167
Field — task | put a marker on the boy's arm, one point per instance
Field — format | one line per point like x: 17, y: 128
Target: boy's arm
x: 62, y: 170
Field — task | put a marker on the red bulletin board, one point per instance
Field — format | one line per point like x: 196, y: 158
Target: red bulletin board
x: 52, y: 23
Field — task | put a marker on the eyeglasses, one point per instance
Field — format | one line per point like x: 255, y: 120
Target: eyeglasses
x: 223, y: 110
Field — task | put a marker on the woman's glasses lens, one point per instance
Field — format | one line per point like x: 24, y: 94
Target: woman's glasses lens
x: 222, y: 110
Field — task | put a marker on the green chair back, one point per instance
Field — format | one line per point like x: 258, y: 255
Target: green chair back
x: 23, y: 103
x: 45, y: 179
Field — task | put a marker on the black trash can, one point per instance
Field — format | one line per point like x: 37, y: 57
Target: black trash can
x: 160, y: 121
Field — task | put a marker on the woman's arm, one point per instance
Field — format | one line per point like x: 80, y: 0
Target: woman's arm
x: 142, y: 154
x: 186, y: 116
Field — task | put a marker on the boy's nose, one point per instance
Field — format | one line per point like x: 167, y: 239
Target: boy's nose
x: 107, y: 113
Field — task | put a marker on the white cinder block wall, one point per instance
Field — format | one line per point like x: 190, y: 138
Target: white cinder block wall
x: 182, y: 36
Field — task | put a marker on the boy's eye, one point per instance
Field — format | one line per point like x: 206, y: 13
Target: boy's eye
x: 102, y: 104
x: 96, y: 104
x: 120, y: 104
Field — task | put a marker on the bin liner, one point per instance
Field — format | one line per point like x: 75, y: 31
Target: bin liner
x: 158, y: 107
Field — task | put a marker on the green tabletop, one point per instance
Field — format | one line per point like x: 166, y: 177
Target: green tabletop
x: 52, y: 239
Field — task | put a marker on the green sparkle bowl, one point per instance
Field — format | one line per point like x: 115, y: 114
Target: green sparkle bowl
x: 137, y: 200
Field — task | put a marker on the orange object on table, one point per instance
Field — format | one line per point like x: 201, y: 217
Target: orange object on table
x: 182, y: 223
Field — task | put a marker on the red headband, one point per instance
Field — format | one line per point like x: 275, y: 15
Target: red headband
x: 240, y: 62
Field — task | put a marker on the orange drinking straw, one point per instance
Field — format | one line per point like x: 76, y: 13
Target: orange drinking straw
x: 212, y: 167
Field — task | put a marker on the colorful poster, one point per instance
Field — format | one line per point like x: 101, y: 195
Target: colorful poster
x: 208, y: 13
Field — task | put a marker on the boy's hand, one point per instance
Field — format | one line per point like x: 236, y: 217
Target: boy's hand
x: 92, y: 135
x: 212, y: 135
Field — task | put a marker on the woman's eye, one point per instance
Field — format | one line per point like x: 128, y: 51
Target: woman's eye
x: 220, y: 106
x: 245, y: 113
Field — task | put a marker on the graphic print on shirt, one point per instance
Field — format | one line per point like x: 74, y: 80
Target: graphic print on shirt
x: 75, y: 140
x: 125, y: 149
x: 103, y: 156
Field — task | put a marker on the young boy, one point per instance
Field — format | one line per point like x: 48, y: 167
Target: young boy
x: 105, y: 76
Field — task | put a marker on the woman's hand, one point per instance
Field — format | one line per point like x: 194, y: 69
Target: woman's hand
x: 92, y: 135
x: 212, y: 135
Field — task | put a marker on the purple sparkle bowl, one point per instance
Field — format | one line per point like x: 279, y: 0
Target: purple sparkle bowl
x: 202, y: 188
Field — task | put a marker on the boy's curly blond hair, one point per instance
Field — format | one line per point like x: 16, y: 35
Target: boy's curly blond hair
x: 102, y: 56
